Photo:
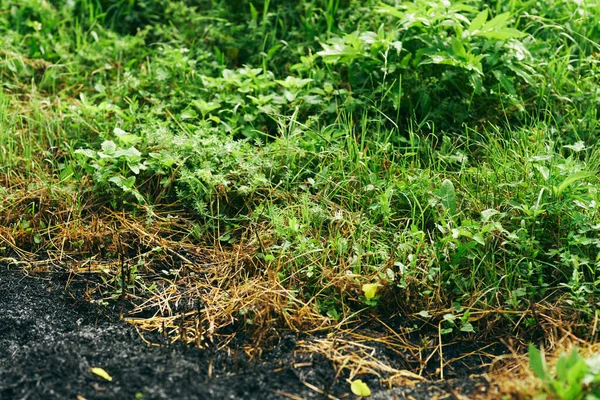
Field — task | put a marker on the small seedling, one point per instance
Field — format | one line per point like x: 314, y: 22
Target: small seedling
x: 360, y: 388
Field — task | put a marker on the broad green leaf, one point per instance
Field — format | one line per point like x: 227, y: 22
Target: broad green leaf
x: 449, y: 317
x: 458, y: 47
x: 205, y: 107
x: 562, y: 368
x: 537, y: 362
x: 108, y: 147
x: 89, y: 153
x: 66, y: 174
x: 448, y: 196
x: 292, y: 82
x: 126, y: 138
x: 479, y: 20
x: 496, y: 29
x: 479, y: 239
x: 101, y: 373
x: 342, y: 50
x: 499, y: 21
x: 502, y: 34
x: 488, y: 213
x: 467, y: 327
x: 131, y: 153
x: 389, y: 10
x: 505, y: 82
x: 137, y: 167
x: 572, y: 179
x: 360, y: 388
x: 544, y: 171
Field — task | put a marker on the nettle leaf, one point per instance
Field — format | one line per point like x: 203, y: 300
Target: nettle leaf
x: 577, y: 147
x: 126, y: 139
x: 89, y: 153
x: 488, y: 213
x: 108, y: 147
x: 467, y: 327
x: 136, y: 168
x: 131, y: 153
x: 342, y: 50
x: 292, y: 82
x: 125, y: 184
x: 458, y: 47
x: 478, y: 22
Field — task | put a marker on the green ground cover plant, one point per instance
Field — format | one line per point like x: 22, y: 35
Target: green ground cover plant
x: 436, y: 160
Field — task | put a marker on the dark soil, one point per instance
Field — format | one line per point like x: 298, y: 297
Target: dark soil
x: 50, y: 338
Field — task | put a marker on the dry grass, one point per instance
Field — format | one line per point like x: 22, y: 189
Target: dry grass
x: 183, y: 290
x: 207, y: 295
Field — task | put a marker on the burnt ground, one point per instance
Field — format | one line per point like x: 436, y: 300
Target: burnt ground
x: 50, y: 338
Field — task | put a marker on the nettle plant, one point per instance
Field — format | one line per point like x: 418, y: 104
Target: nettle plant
x: 425, y: 58
x: 117, y: 164
x: 250, y: 102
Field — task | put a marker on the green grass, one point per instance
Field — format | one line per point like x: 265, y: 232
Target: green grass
x: 449, y: 155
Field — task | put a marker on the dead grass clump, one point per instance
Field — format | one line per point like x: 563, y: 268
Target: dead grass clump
x: 186, y: 291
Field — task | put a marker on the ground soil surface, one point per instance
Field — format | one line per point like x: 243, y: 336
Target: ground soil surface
x: 50, y: 338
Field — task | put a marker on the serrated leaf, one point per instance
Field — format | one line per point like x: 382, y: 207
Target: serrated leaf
x: 497, y: 22
x: 131, y: 153
x: 577, y: 147
x: 502, y: 34
x: 449, y: 317
x: 101, y: 373
x: 108, y: 147
x: 479, y: 20
x: 488, y: 213
x: 360, y: 388
x: 458, y: 47
x: 496, y: 29
x: 89, y: 153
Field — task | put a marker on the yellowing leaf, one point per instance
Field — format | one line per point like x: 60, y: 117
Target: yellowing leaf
x: 101, y: 373
x: 360, y: 388
x: 370, y: 290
